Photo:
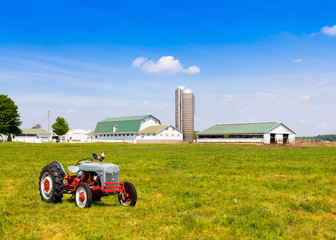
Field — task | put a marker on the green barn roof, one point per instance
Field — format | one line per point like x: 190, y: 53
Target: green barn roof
x: 33, y: 131
x: 129, y: 124
x: 242, y: 128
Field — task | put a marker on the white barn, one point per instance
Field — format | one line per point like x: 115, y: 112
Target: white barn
x: 133, y: 129
x: 31, y: 136
x: 267, y: 132
x: 160, y: 134
x: 77, y: 136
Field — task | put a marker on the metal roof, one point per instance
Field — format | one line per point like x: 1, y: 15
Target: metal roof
x: 239, y: 128
x: 129, y: 118
x: 129, y: 124
x: 153, y: 129
x: 33, y: 131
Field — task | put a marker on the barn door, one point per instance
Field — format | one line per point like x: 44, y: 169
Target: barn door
x: 272, y: 138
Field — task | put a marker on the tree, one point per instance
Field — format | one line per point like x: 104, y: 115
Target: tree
x: 37, y: 126
x: 9, y: 117
x: 61, y: 126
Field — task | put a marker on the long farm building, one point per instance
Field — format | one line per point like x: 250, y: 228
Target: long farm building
x: 268, y: 132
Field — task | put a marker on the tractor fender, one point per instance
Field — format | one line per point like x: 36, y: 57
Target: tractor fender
x: 58, y: 165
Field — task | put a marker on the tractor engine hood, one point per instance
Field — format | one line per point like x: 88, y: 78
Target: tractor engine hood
x: 98, y: 167
x: 107, y: 172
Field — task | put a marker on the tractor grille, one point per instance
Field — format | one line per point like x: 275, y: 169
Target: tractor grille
x: 113, y: 178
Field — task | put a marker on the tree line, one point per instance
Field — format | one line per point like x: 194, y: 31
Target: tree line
x: 320, y: 138
x: 10, y: 120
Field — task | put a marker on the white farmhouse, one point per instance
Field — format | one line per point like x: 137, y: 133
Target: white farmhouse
x: 160, y: 134
x: 134, y: 129
x: 267, y: 132
x: 32, y: 136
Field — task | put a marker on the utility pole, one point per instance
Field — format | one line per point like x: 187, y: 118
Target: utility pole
x: 48, y: 125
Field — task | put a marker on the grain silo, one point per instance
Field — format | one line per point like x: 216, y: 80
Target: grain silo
x: 178, y: 107
x: 184, y: 112
x: 188, y: 115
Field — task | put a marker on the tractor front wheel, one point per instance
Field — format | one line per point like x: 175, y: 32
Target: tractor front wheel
x: 129, y: 198
x: 51, y: 184
x: 83, y: 195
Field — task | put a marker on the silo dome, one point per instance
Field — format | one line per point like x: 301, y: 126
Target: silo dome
x: 181, y: 88
x: 187, y: 90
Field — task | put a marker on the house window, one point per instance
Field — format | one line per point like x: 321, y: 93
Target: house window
x: 114, y: 128
x: 173, y: 135
x: 178, y: 135
x: 167, y: 134
x: 161, y: 134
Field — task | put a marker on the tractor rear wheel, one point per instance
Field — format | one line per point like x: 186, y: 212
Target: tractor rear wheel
x: 83, y: 195
x: 130, y: 198
x: 51, y: 184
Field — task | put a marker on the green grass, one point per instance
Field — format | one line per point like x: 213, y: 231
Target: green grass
x: 188, y: 191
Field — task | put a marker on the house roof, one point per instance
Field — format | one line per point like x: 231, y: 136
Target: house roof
x: 129, y: 124
x: 33, y: 131
x: 153, y: 129
x: 241, y: 128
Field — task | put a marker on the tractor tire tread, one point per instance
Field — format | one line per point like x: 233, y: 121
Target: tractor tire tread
x: 57, y: 177
x: 131, y: 187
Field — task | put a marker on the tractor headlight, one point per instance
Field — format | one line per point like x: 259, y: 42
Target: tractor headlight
x: 79, y: 174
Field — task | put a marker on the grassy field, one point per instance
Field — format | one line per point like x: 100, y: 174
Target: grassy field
x: 184, y: 192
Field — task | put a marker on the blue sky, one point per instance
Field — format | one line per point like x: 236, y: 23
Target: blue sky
x: 245, y: 61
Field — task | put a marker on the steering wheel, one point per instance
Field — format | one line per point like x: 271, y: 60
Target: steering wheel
x: 82, y: 160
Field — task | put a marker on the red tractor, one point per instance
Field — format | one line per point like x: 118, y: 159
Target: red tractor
x: 91, y: 181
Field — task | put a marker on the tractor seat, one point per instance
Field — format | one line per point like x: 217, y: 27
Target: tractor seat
x: 73, y: 169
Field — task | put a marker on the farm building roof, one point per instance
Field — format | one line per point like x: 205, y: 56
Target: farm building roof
x: 33, y: 131
x: 241, y: 128
x: 129, y: 124
x: 153, y: 129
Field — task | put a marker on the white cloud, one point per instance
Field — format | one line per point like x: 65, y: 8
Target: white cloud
x: 241, y: 111
x: 137, y: 62
x: 146, y: 103
x: 264, y: 95
x: 192, y: 70
x: 322, y: 126
x: 305, y: 98
x: 299, y: 60
x: 329, y: 30
x: 166, y: 64
x: 302, y: 121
